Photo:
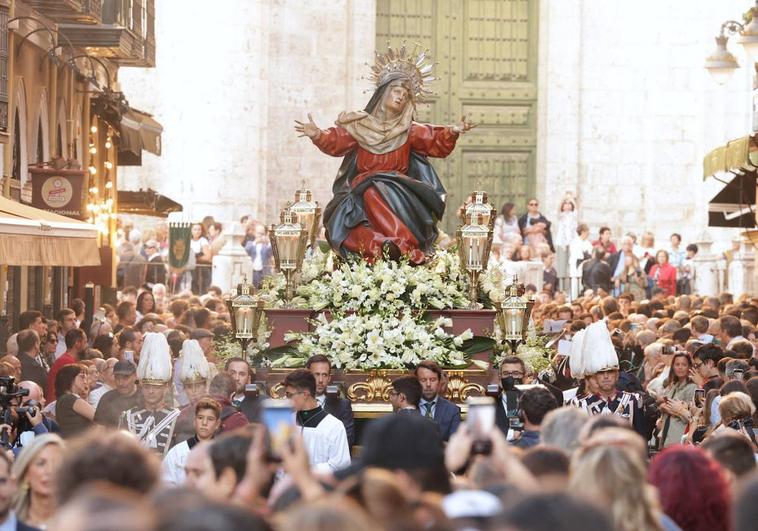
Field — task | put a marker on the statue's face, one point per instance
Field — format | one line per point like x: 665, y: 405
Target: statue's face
x: 396, y: 99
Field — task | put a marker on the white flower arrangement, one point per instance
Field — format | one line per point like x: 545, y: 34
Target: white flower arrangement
x: 377, y: 311
x: 358, y: 342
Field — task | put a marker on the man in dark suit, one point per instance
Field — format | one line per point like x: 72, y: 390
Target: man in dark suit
x: 445, y: 414
x: 321, y: 368
x: 32, y: 367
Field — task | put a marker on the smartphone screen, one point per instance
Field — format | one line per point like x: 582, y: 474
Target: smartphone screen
x: 699, y: 397
x: 129, y: 355
x: 279, y: 419
x: 480, y: 420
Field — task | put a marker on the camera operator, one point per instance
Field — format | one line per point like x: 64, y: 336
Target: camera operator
x: 512, y: 373
x: 534, y: 404
x: 31, y: 421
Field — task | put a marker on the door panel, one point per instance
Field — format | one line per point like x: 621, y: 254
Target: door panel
x: 486, y: 52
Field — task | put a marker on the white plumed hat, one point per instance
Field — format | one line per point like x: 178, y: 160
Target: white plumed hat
x: 155, y: 360
x: 598, y: 354
x: 575, y: 356
x: 193, y: 367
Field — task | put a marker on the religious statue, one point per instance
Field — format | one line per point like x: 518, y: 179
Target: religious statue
x: 387, y: 197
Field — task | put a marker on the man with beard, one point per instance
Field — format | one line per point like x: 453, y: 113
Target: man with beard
x: 76, y: 344
x: 445, y: 414
x: 153, y: 423
x: 321, y: 369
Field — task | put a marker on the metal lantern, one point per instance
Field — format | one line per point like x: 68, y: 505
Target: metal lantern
x: 478, y: 205
x: 474, y: 244
x: 307, y: 213
x: 288, y: 242
x: 245, y: 310
x: 513, y: 314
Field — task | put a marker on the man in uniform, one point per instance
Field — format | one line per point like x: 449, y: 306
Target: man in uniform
x: 601, y: 369
x: 153, y: 424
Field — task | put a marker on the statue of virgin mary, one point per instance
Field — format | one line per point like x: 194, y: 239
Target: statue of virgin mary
x: 387, y: 197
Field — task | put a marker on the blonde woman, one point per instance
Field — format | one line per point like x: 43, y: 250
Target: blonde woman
x: 612, y: 474
x: 35, y: 471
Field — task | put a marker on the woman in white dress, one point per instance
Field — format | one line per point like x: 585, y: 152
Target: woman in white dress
x: 564, y: 234
x: 506, y: 226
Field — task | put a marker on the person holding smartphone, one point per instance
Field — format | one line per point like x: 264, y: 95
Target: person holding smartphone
x: 677, y: 401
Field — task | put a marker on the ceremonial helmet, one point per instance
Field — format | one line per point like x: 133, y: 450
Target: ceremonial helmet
x: 598, y: 353
x: 576, y: 364
x: 193, y: 367
x: 155, y: 360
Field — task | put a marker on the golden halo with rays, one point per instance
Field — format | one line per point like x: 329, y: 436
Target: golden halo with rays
x: 415, y: 65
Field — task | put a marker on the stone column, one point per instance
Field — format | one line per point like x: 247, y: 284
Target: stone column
x: 705, y: 274
x: 232, y: 263
x: 741, y: 271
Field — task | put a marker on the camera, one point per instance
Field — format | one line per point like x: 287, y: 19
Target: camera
x: 9, y: 392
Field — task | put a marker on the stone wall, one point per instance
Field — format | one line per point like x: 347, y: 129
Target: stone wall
x: 627, y: 111
x: 230, y: 79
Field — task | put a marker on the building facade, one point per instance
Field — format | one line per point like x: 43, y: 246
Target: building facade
x: 60, y: 111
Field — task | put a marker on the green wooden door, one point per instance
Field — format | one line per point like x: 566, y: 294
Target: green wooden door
x: 486, y: 52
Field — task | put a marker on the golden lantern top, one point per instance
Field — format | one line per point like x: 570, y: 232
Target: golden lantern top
x: 478, y: 205
x: 474, y: 243
x: 513, y: 312
x: 307, y: 212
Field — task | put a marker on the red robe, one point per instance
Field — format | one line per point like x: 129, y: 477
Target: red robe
x: 383, y: 224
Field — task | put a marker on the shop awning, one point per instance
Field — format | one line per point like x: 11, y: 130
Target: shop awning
x: 734, y: 205
x: 139, y: 131
x: 146, y: 203
x: 734, y: 164
x: 737, y: 156
x: 33, y: 237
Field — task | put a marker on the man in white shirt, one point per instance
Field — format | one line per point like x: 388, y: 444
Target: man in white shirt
x: 324, y: 435
x: 207, y: 423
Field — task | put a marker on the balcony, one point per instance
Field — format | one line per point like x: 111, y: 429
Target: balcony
x: 125, y: 36
x: 70, y: 11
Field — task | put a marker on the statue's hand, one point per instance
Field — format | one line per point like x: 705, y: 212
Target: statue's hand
x: 310, y: 129
x: 464, y: 126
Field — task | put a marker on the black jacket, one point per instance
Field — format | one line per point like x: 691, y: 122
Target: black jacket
x: 343, y: 410
x: 32, y: 371
x: 597, y: 274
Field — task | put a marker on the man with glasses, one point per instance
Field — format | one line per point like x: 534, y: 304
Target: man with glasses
x: 512, y: 373
x: 535, y: 228
x: 323, y: 434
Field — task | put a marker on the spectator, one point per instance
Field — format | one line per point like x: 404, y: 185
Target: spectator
x: 674, y: 472
x: 76, y: 343
x: 663, y: 274
x: 604, y: 242
x: 535, y: 228
x: 677, y: 400
x: 405, y: 394
x: 535, y: 404
x: 35, y: 470
x: 125, y: 396
x: 732, y: 451
x: 32, y: 364
x: 67, y: 319
x: 72, y: 412
x: 260, y: 252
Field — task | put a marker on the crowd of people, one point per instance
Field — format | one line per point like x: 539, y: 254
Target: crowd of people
x: 575, y: 263
x: 128, y: 416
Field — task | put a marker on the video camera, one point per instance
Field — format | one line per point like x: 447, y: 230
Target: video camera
x: 9, y: 391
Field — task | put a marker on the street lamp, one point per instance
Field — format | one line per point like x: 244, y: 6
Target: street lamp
x: 308, y: 213
x: 721, y: 64
x: 474, y: 244
x: 288, y: 242
x: 512, y: 314
x: 245, y: 311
